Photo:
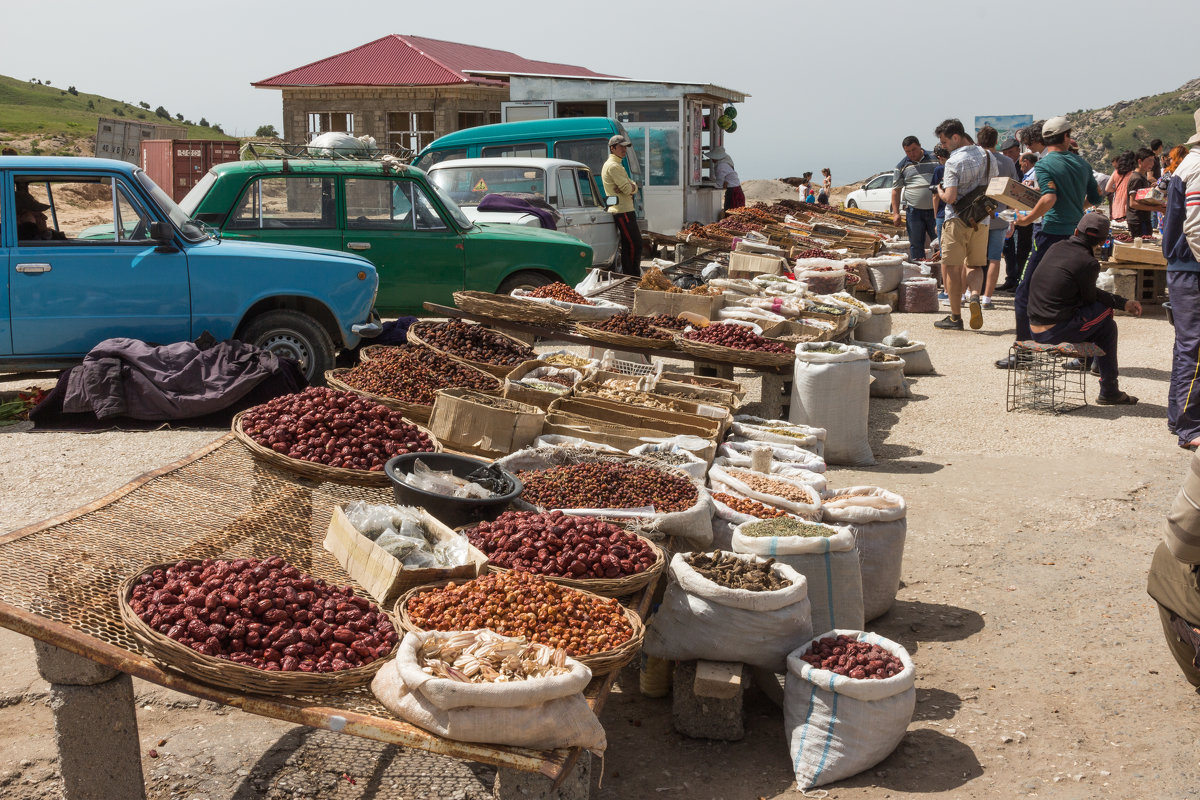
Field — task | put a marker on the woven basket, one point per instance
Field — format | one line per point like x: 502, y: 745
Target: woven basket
x: 228, y: 674
x: 503, y: 306
x: 752, y: 358
x: 368, y: 353
x: 417, y: 412
x: 622, y: 340
x: 605, y: 587
x: 499, y: 370
x: 318, y: 472
x: 599, y: 663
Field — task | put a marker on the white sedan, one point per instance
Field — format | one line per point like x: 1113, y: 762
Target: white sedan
x: 564, y: 187
x: 875, y: 195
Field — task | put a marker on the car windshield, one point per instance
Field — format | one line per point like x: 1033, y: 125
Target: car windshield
x: 467, y: 185
x: 187, y: 228
x: 456, y: 213
x: 191, y: 200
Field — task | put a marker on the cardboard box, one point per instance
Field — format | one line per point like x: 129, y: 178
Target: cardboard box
x: 647, y: 303
x: 791, y: 327
x: 542, y: 398
x: 466, y: 421
x: 720, y: 412
x: 381, y: 574
x: 620, y: 437
x: 750, y: 265
x: 1013, y: 193
x: 1130, y: 252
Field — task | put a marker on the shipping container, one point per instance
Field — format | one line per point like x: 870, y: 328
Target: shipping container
x: 177, y: 164
x: 122, y: 138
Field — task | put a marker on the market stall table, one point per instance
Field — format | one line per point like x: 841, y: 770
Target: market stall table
x: 59, y: 578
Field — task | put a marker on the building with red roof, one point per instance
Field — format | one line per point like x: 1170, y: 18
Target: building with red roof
x: 405, y: 90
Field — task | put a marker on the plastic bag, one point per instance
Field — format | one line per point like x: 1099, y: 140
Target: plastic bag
x: 443, y: 483
x: 400, y: 532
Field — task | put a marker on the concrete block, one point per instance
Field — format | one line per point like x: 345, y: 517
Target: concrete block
x: 96, y: 731
x: 705, y: 717
x: 59, y: 666
x: 514, y: 784
x: 720, y: 680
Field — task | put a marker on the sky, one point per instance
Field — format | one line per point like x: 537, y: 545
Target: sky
x: 831, y: 84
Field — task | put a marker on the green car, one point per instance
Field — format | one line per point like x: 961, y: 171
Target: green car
x: 421, y: 243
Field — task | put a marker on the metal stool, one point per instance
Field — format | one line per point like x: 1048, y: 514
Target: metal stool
x: 1037, y: 380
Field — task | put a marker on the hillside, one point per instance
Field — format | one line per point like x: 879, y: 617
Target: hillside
x: 1103, y: 133
x: 49, y: 120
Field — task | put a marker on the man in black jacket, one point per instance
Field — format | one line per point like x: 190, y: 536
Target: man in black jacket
x: 1066, y: 306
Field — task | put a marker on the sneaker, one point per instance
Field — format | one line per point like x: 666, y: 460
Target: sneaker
x: 950, y: 323
x: 1073, y: 364
x: 976, y: 312
x: 986, y: 303
x: 943, y: 296
x: 966, y: 298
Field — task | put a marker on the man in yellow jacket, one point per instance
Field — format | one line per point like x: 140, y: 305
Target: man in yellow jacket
x: 618, y: 184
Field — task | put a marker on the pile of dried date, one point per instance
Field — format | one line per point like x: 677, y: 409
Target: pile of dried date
x: 601, y: 484
x: 475, y: 343
x: 560, y: 291
x: 560, y: 545
x: 738, y: 337
x: 524, y: 604
x: 413, y: 373
x: 732, y: 572
x: 630, y: 325
x: 337, y: 429
x: 851, y: 658
x: 744, y: 505
x: 263, y: 614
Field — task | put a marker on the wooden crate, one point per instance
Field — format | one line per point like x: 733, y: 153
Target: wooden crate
x: 1151, y: 286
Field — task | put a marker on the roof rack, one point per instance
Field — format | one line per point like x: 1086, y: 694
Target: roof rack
x: 284, y: 150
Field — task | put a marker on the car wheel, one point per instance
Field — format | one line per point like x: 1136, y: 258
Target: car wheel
x: 523, y: 280
x: 294, y: 335
x: 851, y: 204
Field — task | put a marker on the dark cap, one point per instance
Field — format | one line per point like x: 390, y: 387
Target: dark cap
x: 27, y: 202
x: 1007, y: 144
x: 1094, y: 224
x: 617, y: 139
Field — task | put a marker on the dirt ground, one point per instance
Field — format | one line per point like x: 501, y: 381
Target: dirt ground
x: 1041, y: 667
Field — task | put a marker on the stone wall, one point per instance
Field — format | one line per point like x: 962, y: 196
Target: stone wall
x: 370, y: 106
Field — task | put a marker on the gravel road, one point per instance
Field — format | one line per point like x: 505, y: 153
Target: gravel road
x: 1041, y: 665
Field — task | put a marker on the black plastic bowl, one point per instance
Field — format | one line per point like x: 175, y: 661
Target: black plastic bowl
x: 451, y: 511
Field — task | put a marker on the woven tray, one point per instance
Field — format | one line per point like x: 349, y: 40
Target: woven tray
x: 503, y: 306
x: 368, y: 353
x: 228, y: 674
x: 752, y: 358
x: 622, y: 340
x: 605, y: 587
x: 417, y: 412
x: 319, y: 472
x: 599, y: 663
x: 499, y: 370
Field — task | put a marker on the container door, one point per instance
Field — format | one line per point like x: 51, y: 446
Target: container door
x: 288, y: 209
x: 419, y: 256
x: 73, y: 286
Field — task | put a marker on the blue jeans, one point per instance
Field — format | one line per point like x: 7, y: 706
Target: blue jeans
x: 920, y: 223
x: 1091, y: 323
x: 1183, y: 398
x: 1041, y: 243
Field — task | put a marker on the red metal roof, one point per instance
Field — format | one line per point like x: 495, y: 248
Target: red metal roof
x: 397, y: 60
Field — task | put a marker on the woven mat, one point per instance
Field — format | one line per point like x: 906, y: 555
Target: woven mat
x: 217, y: 503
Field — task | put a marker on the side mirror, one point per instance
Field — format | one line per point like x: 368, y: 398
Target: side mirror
x: 163, y: 235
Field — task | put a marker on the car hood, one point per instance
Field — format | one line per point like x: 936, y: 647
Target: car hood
x: 234, y: 247
x: 491, y: 230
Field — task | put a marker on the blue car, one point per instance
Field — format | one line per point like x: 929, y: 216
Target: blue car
x: 93, y: 249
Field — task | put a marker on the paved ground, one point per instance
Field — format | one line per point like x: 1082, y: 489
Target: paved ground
x: 1042, y: 670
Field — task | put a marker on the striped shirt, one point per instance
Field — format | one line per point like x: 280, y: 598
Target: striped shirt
x: 965, y: 169
x: 915, y: 176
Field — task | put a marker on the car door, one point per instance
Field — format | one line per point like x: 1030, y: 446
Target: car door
x: 879, y: 194
x: 68, y: 293
x: 583, y: 215
x: 419, y: 256
x: 287, y: 209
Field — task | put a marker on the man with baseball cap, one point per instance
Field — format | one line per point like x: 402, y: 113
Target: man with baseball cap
x: 1066, y: 306
x: 618, y: 184
x: 1181, y: 246
x: 1067, y: 184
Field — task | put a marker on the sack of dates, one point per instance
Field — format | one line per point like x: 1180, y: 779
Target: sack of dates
x: 847, y: 701
x: 708, y: 618
x: 832, y: 389
x: 543, y: 710
x: 878, y: 520
x: 825, y: 555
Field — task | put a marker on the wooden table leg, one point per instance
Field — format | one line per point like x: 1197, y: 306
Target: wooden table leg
x: 95, y: 727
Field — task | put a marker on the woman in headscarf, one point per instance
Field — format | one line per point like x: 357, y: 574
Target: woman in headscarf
x: 727, y: 178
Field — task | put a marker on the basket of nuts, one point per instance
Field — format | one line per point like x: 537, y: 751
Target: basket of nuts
x: 491, y: 351
x: 330, y: 435
x: 596, y: 631
x: 256, y: 626
x: 581, y: 552
x: 406, y: 378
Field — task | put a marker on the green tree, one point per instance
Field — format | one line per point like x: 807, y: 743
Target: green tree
x: 179, y: 117
x: 267, y: 130
x: 162, y: 112
x: 217, y: 127
x: 144, y: 104
x: 72, y: 90
x: 117, y: 110
x: 91, y: 106
x: 203, y: 122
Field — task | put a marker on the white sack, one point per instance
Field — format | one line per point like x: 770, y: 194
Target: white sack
x: 880, y: 533
x: 722, y: 479
x: 915, y: 355
x: 889, y: 379
x: 838, y: 726
x: 877, y: 327
x: 738, y: 450
x: 832, y: 391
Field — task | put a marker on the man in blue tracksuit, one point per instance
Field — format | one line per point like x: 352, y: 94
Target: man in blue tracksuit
x: 1181, y: 246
